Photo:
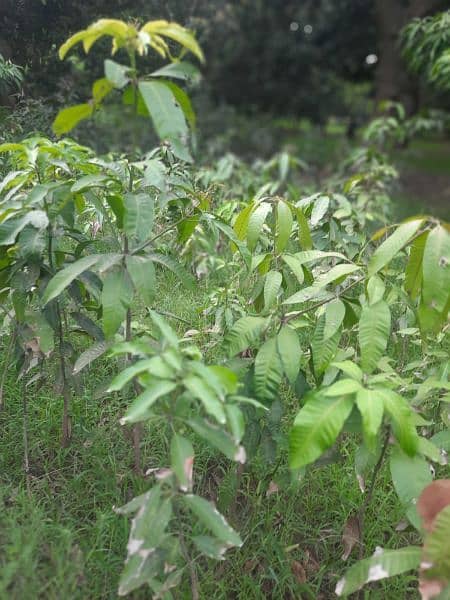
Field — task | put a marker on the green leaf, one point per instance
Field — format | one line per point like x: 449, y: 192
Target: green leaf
x: 319, y: 209
x: 295, y: 265
x: 89, y: 181
x: 176, y: 32
x: 323, y: 350
x: 208, y: 514
x: 181, y: 461
x: 200, y: 389
x: 375, y: 289
x: 350, y: 369
x: 141, y: 366
x: 11, y: 228
x: 100, y: 89
x: 342, y: 387
x: 316, y: 427
x: 413, y: 275
x: 184, y: 102
x: 289, y: 349
x: 68, y: 118
x: 211, y: 547
x: 167, y: 115
x: 335, y: 273
x: 436, y: 269
x: 244, y: 333
x: 334, y: 317
x: 88, y: 356
x: 283, y: 226
x: 31, y: 243
x: 178, y: 70
x: 383, y: 563
x: 116, y: 73
x: 373, y: 334
x: 402, y: 420
x: 166, y: 261
x: 237, y: 244
x: 304, y: 233
x: 138, y: 216
x: 218, y: 438
x: 272, y: 286
x: 410, y: 475
x: 268, y: 371
x: 142, y: 273
x: 392, y: 246
x: 139, y: 409
x: 61, y: 280
x: 166, y: 330
x: 256, y: 222
x: 371, y: 407
x: 117, y: 294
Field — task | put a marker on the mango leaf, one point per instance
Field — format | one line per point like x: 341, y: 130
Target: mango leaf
x: 11, y: 228
x: 116, y: 73
x: 392, y: 246
x: 166, y: 261
x: 167, y: 116
x: 402, y: 420
x: 61, y: 280
x: 283, y: 226
x: 413, y: 275
x: 373, y: 334
x: 210, y: 546
x: 178, y: 70
x: 175, y: 32
x: 89, y: 181
x: 268, y: 371
x: 319, y: 210
x: 410, y: 475
x: 141, y: 366
x: 334, y: 317
x: 218, y: 438
x: 255, y: 223
x: 383, y: 563
x: 244, y: 333
x: 68, y: 118
x: 139, y: 408
x: 138, y: 216
x: 289, y: 350
x: 371, y: 407
x: 184, y: 102
x: 316, y: 427
x: 304, y: 233
x: 210, y: 517
x: 335, y: 273
x: 436, y: 269
x: 200, y: 389
x: 168, y: 334
x: 181, y: 461
x: 349, y: 368
x: 100, y: 89
x: 142, y: 273
x: 272, y: 286
x: 234, y: 238
x: 295, y: 265
x: 323, y: 350
x: 88, y: 356
x: 117, y: 294
x: 342, y: 387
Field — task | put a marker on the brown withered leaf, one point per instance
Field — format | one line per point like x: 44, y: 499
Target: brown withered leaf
x: 272, y: 489
x: 298, y: 571
x: 434, y: 498
x: 351, y: 535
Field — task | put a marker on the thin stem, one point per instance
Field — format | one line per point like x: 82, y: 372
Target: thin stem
x: 26, y: 457
x: 12, y: 341
x: 66, y: 422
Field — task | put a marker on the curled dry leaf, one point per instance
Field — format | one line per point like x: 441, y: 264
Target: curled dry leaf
x: 351, y: 535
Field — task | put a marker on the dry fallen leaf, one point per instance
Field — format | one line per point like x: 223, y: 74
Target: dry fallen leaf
x: 272, y: 489
x: 351, y: 535
x: 298, y: 570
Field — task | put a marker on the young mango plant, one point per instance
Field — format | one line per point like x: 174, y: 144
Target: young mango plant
x: 154, y: 94
x: 184, y: 396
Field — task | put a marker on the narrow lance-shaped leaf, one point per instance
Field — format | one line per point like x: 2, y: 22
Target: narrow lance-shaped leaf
x: 208, y: 514
x: 255, y: 223
x: 142, y: 273
x: 373, y: 334
x: 117, y: 294
x: 392, y: 246
x: 65, y: 277
x: 268, y: 370
x: 371, y: 407
x: 436, y: 269
x: 139, y: 409
x: 283, y: 226
x: 288, y: 346
x: 138, y: 216
x: 316, y: 427
x: 272, y: 286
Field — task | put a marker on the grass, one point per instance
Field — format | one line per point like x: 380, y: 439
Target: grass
x: 62, y: 539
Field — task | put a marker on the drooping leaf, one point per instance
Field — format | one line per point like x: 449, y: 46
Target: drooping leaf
x: 272, y: 285
x: 139, y: 408
x: 116, y: 73
x: 176, y: 32
x: 200, y: 389
x: 181, y: 461
x: 138, y: 215
x: 88, y: 356
x: 68, y: 118
x: 402, y: 420
x: 167, y: 116
x: 255, y: 222
x: 323, y: 350
x: 304, y: 233
x: 371, y: 407
x: 166, y: 261
x: 413, y: 274
x: 334, y: 317
x: 334, y: 274
x: 218, y: 438
x: 316, y: 427
x: 373, y: 334
x: 10, y: 229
